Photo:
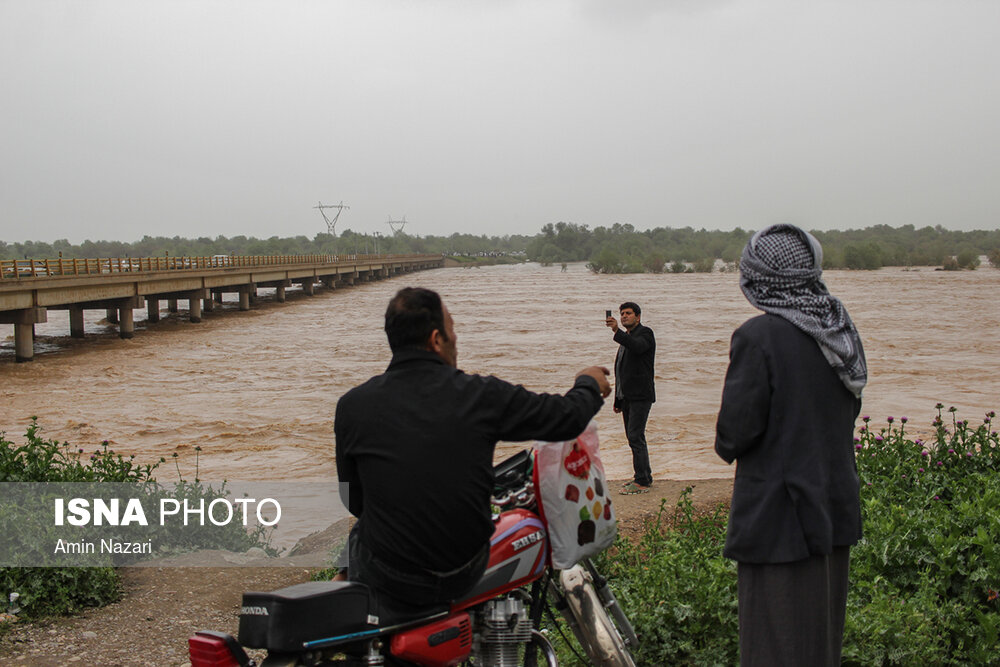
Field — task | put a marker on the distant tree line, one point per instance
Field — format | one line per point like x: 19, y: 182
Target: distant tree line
x: 622, y: 249
x: 348, y: 242
x: 619, y: 248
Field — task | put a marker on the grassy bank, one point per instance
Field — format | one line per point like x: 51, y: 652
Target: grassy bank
x: 51, y: 591
x: 924, y: 579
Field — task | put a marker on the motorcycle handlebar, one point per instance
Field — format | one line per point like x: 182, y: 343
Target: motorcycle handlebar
x: 511, y: 474
x: 512, y: 481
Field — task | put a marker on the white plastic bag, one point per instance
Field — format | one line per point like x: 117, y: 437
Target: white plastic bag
x: 573, y: 498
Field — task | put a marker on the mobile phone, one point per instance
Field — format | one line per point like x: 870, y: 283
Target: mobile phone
x: 607, y: 314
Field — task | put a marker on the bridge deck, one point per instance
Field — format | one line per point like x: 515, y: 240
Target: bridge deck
x: 30, y: 288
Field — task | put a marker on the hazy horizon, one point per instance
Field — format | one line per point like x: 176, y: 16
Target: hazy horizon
x: 190, y: 118
x: 312, y: 237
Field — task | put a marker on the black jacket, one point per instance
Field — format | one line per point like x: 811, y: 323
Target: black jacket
x: 788, y: 421
x: 634, y: 367
x: 415, y: 445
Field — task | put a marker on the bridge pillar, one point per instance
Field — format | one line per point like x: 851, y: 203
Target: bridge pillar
x: 279, y: 293
x: 208, y: 304
x: 217, y: 297
x: 245, y: 297
x: 152, y: 309
x: 24, y: 330
x: 76, y: 322
x: 113, y: 315
x: 126, y: 322
x: 24, y: 342
x: 308, y: 288
x: 194, y: 307
x: 171, y: 305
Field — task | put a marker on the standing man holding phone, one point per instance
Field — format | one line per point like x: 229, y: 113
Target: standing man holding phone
x: 634, y: 390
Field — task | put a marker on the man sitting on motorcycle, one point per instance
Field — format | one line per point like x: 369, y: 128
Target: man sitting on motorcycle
x: 415, y: 457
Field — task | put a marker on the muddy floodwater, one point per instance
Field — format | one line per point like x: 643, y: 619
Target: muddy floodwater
x: 257, y: 390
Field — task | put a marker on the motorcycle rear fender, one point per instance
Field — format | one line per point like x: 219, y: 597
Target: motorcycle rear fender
x: 208, y: 648
x: 442, y: 644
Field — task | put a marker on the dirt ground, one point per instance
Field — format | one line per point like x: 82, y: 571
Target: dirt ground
x: 162, y: 607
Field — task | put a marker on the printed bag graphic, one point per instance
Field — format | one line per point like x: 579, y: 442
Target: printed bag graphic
x: 574, y: 498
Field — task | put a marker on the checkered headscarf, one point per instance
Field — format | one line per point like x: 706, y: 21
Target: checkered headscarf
x: 780, y: 273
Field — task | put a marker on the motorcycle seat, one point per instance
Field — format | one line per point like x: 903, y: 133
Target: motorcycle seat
x: 283, y: 620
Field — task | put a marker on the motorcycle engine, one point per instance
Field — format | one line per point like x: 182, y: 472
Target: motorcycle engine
x: 502, y: 629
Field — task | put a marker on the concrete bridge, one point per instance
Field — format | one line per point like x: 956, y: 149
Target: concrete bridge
x: 31, y: 288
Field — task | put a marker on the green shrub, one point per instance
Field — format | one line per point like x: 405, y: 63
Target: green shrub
x: 654, y: 262
x: 867, y: 256
x: 925, y: 576
x: 704, y: 265
x: 59, y: 590
x: 968, y: 259
x: 677, y: 589
x: 41, y: 460
x: 606, y: 261
x: 50, y: 591
x: 924, y: 579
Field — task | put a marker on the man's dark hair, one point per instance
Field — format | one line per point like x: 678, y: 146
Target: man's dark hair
x: 412, y: 315
x: 633, y: 305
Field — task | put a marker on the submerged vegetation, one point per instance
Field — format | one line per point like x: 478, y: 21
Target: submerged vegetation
x: 623, y: 249
x: 619, y: 248
x: 925, y: 579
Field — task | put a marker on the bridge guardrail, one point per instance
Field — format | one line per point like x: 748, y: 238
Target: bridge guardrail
x: 46, y: 268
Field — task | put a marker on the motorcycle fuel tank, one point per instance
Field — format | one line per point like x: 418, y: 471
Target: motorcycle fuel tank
x: 519, y: 551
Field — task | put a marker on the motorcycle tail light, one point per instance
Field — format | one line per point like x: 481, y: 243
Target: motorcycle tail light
x: 215, y: 649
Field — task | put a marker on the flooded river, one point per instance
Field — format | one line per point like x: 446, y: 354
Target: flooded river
x: 257, y: 390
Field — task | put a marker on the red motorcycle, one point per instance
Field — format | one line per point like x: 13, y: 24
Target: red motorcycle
x: 498, y: 624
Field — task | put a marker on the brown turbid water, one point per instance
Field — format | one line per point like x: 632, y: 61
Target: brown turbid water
x: 257, y: 390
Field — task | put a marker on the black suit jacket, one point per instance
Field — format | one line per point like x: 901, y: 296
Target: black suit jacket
x: 415, y: 454
x: 634, y: 371
x: 788, y: 421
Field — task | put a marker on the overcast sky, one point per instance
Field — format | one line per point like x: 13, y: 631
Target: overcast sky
x: 122, y: 118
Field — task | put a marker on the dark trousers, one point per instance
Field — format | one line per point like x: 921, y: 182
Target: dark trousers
x: 792, y: 614
x: 399, y: 594
x: 634, y: 415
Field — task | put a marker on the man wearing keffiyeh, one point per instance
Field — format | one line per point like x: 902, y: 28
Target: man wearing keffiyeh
x: 791, y: 395
x: 780, y: 273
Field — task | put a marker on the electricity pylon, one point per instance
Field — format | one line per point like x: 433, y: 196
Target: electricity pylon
x: 396, y: 225
x: 331, y: 224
